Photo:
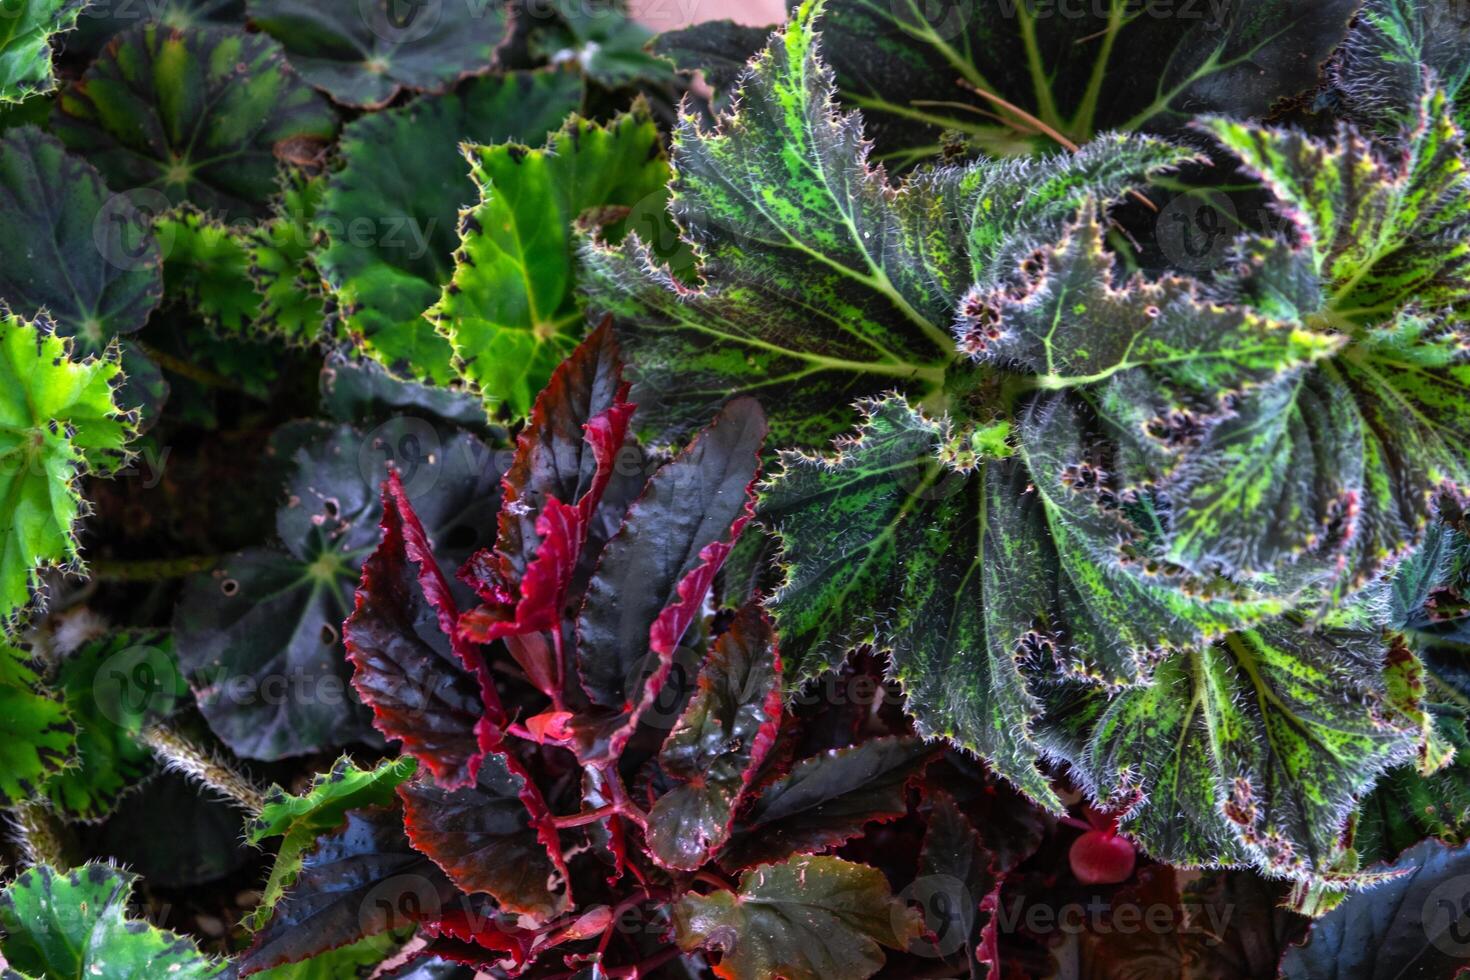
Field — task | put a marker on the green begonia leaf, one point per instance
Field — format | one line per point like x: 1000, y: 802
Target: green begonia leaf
x: 1338, y: 464
x: 207, y: 268
x: 292, y: 302
x: 76, y: 924
x: 388, y: 215
x: 58, y: 422
x: 27, y: 42
x: 70, y: 247
x: 114, y: 687
x: 1074, y: 70
x: 510, y: 311
x: 364, y: 52
x: 196, y: 115
x: 299, y: 820
x: 807, y: 919
x: 101, y: 22
x: 37, y: 734
x: 822, y: 283
x: 1251, y: 749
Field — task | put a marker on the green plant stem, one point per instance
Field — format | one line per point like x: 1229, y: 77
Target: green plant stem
x: 150, y: 570
x: 188, y: 369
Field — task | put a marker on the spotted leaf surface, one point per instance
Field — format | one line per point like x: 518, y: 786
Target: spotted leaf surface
x: 510, y: 311
x: 1395, y: 50
x: 388, y: 215
x: 805, y: 919
x: 196, y: 115
x: 1252, y: 749
x: 76, y: 924
x: 822, y: 283
x: 268, y: 621
x: 1335, y: 469
x: 965, y: 567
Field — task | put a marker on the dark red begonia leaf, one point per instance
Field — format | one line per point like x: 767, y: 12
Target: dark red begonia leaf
x: 552, y: 523
x: 653, y: 577
x: 427, y: 688
x: 494, y: 837
x: 718, y: 743
x: 362, y: 879
x: 826, y: 801
x: 956, y: 875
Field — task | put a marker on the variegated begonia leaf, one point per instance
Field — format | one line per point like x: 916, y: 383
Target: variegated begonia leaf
x: 387, y: 217
x: 364, y: 52
x: 1013, y: 76
x: 1250, y: 750
x: 1332, y: 468
x: 510, y: 311
x: 197, y: 115
x: 114, y: 687
x: 822, y: 283
x: 1395, y: 50
x: 30, y: 32
x: 59, y: 421
x: 967, y: 555
x: 76, y: 924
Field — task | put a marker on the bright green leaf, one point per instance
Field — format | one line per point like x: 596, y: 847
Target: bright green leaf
x: 510, y: 311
